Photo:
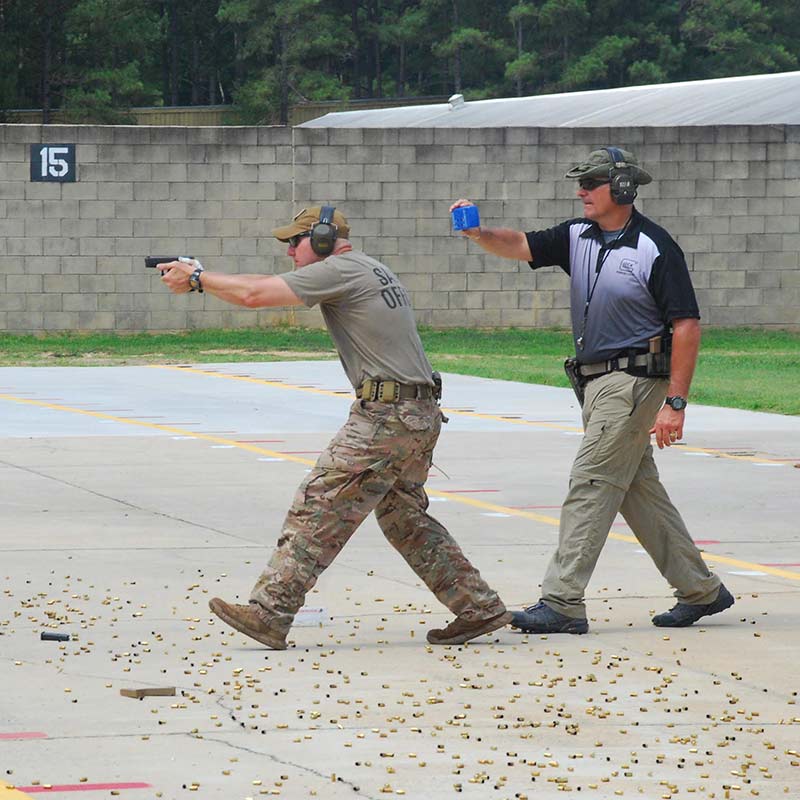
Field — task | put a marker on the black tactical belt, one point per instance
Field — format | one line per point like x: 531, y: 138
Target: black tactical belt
x: 392, y: 391
x: 612, y: 365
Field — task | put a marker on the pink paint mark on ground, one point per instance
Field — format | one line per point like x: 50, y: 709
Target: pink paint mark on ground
x: 706, y: 541
x: 795, y: 564
x: 24, y: 735
x: 80, y: 787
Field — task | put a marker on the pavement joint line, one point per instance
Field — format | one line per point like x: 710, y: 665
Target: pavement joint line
x: 469, y: 501
x: 357, y: 791
x: 126, y: 503
x: 471, y: 414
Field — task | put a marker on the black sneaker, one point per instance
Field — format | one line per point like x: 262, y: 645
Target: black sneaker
x: 540, y: 618
x: 682, y: 615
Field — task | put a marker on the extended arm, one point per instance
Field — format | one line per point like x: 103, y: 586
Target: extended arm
x: 502, y: 242
x: 250, y: 291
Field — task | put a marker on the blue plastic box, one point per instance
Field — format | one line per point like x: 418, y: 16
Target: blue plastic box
x: 465, y: 217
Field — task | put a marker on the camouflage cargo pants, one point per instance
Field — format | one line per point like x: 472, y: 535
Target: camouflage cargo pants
x: 379, y: 461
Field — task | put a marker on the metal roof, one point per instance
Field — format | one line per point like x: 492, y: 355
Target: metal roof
x: 746, y: 100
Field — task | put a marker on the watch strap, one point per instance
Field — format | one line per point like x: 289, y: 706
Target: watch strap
x: 195, y: 282
x: 676, y: 402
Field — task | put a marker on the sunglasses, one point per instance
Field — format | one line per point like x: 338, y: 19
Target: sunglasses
x: 590, y: 184
x: 295, y: 240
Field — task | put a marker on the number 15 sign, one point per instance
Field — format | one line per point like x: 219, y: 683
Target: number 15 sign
x: 53, y: 162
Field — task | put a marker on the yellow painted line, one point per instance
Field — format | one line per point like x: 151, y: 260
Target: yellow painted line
x: 547, y: 520
x: 732, y: 562
x: 210, y: 373
x: 472, y: 414
x: 8, y: 792
x: 719, y: 454
x: 349, y: 396
x: 156, y: 427
x: 467, y: 501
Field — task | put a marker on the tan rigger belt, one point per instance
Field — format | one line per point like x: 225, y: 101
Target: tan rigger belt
x: 392, y: 391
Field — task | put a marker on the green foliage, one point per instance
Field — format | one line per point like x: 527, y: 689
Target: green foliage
x: 593, y: 69
x: 257, y: 100
x: 736, y: 37
x: 99, y: 85
x: 522, y: 12
x: 525, y: 68
x: 95, y: 59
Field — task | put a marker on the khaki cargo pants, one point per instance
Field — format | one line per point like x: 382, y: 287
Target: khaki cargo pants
x: 378, y: 461
x: 614, y: 471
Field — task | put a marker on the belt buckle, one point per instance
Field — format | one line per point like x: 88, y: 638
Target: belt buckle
x: 388, y: 392
x: 369, y: 390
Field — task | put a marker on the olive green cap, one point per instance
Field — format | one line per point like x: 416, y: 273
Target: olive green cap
x: 599, y: 164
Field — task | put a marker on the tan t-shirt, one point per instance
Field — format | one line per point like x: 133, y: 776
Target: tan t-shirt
x: 369, y: 315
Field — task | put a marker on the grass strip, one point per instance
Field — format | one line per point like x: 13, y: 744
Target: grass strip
x: 739, y: 368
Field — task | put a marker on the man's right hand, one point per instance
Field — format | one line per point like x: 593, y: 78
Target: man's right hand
x: 470, y: 233
x: 502, y: 242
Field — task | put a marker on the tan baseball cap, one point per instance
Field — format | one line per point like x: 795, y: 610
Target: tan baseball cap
x: 305, y: 220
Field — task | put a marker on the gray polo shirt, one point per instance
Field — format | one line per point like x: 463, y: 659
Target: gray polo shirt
x: 369, y: 315
x: 635, y: 285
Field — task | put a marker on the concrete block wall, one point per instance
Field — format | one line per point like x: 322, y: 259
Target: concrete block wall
x: 71, y: 254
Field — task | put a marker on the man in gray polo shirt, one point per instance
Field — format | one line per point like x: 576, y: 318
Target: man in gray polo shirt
x: 632, y: 304
x: 380, y: 458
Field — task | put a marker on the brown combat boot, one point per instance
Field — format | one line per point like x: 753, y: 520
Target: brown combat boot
x: 247, y: 621
x: 461, y: 630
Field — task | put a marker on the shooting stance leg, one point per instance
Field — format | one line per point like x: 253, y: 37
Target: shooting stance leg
x: 348, y: 481
x: 425, y: 543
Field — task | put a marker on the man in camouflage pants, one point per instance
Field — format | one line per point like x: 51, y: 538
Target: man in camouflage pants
x: 379, y: 460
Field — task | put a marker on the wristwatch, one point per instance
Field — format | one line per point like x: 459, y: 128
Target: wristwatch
x: 194, y: 279
x: 677, y: 403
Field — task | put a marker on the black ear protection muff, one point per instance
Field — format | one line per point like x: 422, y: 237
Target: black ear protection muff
x: 620, y: 175
x: 324, y: 232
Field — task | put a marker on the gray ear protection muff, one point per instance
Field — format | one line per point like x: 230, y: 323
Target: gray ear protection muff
x: 622, y: 184
x: 324, y: 232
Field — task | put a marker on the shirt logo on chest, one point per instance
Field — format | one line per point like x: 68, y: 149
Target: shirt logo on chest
x: 627, y: 266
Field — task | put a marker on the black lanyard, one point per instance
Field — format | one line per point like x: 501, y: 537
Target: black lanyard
x: 605, y: 249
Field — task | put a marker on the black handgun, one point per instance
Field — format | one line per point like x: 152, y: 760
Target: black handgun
x: 154, y: 261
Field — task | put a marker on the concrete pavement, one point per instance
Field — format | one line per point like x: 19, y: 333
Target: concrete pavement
x: 133, y: 494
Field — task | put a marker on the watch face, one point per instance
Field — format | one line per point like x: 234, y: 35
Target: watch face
x: 677, y: 403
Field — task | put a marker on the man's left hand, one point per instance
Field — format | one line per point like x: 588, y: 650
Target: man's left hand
x: 668, y: 427
x: 175, y: 274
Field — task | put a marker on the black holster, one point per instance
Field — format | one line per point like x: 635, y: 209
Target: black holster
x: 437, y: 386
x: 659, y: 356
x: 578, y: 383
x: 437, y: 392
